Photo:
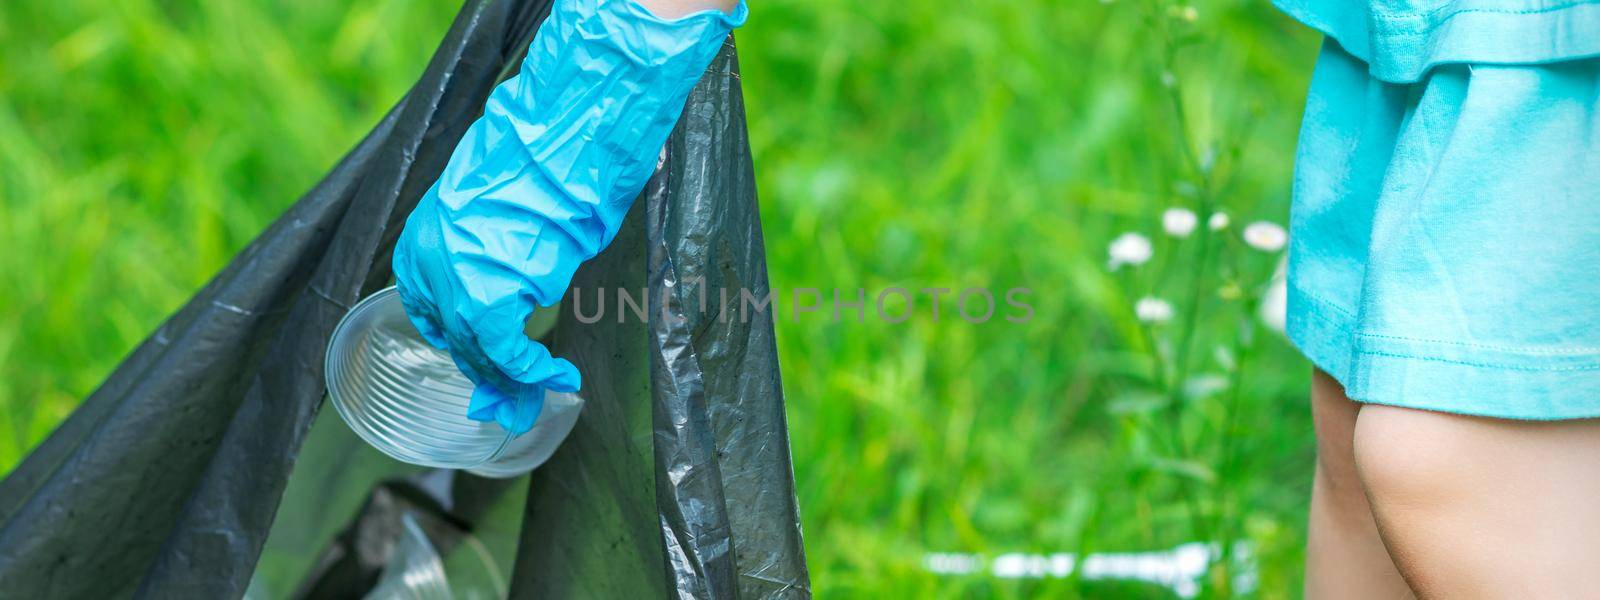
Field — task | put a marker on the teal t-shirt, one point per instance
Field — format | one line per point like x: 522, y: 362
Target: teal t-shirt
x: 1402, y: 39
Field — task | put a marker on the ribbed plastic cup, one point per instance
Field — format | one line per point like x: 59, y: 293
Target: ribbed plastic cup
x: 408, y: 400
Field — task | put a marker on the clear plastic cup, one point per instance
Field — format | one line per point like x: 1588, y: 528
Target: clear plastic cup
x: 408, y: 400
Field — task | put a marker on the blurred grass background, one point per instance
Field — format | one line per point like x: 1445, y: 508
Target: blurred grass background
x: 921, y: 144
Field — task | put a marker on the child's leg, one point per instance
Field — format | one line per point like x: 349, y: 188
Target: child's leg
x: 1484, y: 508
x: 1344, y: 556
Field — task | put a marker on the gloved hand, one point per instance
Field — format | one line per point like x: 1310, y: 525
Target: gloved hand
x: 540, y: 183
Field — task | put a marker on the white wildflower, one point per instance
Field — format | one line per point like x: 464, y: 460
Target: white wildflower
x: 1274, y: 310
x: 1265, y: 236
x: 1190, y: 14
x: 1130, y: 249
x: 1153, y: 310
x: 1218, y: 221
x: 1179, y: 222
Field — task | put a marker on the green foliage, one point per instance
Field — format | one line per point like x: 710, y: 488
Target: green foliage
x: 899, y: 144
x: 143, y: 143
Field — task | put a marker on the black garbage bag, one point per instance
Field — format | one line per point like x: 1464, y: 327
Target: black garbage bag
x: 343, y: 523
x: 675, y: 481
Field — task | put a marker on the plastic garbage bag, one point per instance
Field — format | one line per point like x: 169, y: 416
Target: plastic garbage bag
x: 166, y: 481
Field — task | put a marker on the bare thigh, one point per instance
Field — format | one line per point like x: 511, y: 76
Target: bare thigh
x: 1472, y: 507
x: 1345, y: 558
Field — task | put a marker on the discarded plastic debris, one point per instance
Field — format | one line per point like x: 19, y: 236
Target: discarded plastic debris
x: 1179, y: 569
x: 408, y: 400
x: 415, y: 570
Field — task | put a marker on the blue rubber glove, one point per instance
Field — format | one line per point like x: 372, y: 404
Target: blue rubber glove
x: 540, y: 183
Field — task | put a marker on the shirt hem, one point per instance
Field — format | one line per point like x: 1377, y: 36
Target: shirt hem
x: 1443, y: 376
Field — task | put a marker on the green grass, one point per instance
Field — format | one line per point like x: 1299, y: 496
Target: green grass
x: 919, y: 144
